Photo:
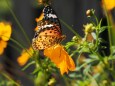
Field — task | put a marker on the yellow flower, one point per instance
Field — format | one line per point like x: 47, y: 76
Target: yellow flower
x: 40, y: 18
x: 5, y: 33
x: 24, y: 57
x: 36, y: 28
x: 88, y: 28
x: 109, y: 4
x: 60, y: 57
x: 3, y: 45
x: 44, y: 2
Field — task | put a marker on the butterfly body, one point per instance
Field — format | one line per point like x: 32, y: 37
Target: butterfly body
x: 49, y: 31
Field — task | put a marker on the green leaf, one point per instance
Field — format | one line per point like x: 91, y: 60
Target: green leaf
x: 28, y: 65
x: 103, y: 29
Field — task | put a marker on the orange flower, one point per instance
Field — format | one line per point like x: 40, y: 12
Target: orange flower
x: 3, y: 45
x: 109, y: 4
x: 36, y: 28
x: 60, y: 57
x: 24, y: 57
x: 5, y: 33
x: 44, y: 2
x: 39, y: 19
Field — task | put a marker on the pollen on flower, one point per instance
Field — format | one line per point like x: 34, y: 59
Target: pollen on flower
x: 60, y: 57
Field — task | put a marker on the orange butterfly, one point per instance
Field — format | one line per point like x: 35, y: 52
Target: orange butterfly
x: 49, y: 32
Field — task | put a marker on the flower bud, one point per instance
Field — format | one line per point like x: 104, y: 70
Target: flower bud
x: 88, y: 28
x: 90, y: 12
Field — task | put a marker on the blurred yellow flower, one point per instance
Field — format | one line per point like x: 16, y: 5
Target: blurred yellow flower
x: 109, y: 4
x: 88, y: 28
x: 5, y: 33
x: 97, y: 69
x: 40, y: 18
x: 44, y: 2
x: 60, y: 57
x: 24, y: 57
x: 3, y: 45
x: 36, y: 28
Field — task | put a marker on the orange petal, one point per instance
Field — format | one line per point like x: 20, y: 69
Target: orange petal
x: 24, y: 57
x: 63, y: 67
x: 1, y: 26
x: 22, y: 60
x: 6, y: 31
x: 70, y: 62
x: 36, y: 28
x: 60, y: 57
x: 54, y: 54
x: 3, y: 45
x: 109, y: 4
x: 40, y: 18
x: 67, y: 63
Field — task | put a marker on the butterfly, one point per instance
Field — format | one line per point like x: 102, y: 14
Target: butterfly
x: 49, y: 30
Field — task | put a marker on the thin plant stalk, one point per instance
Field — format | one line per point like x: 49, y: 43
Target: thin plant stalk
x: 9, y: 78
x: 109, y: 28
x: 70, y: 28
x: 18, y: 23
x: 16, y: 42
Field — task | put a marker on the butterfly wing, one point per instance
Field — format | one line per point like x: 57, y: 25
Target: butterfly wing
x: 47, y: 38
x: 50, y: 15
x: 49, y: 32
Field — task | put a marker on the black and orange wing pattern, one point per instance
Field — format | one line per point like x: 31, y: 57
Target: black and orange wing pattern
x: 49, y: 30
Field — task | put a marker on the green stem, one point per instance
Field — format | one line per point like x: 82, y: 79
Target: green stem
x: 93, y: 80
x: 78, y: 59
x: 85, y: 64
x: 15, y: 47
x: 66, y: 80
x: 99, y: 56
x: 70, y: 28
x: 28, y: 65
x: 18, y: 23
x: 106, y: 65
x: 96, y: 19
x: 109, y: 33
x: 109, y: 29
x: 16, y: 42
x: 36, y: 56
x: 19, y: 44
x: 97, y: 41
x: 74, y: 52
x: 9, y: 78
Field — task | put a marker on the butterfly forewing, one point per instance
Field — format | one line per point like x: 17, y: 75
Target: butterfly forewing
x: 49, y: 32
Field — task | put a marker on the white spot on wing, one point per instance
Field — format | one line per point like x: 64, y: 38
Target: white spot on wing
x: 50, y: 25
x: 52, y: 15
